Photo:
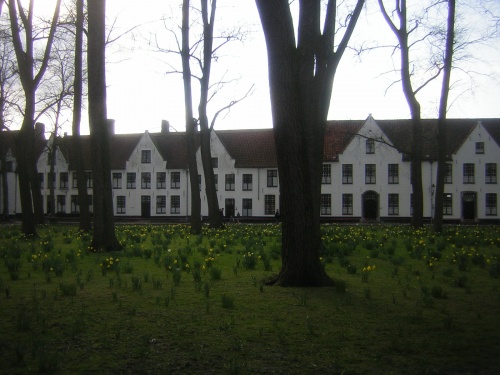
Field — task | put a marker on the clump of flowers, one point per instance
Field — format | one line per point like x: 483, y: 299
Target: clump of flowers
x: 110, y: 264
x: 366, y: 273
x: 249, y: 260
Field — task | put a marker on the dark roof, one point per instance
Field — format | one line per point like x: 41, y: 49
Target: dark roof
x: 8, y: 142
x: 256, y: 149
x: 338, y: 134
x: 457, y: 130
x: 250, y: 148
x: 173, y: 148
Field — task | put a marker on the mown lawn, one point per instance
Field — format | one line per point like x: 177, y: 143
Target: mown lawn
x: 405, y: 302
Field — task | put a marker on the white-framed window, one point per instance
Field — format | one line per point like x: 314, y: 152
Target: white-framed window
x: 346, y: 174
x: 448, y: 173
x: 175, y: 204
x: 146, y: 156
x: 131, y: 180
x: 272, y: 178
x: 393, y: 204
x: 145, y: 180
x: 448, y: 204
x: 490, y: 171
x: 247, y: 182
x: 121, y: 203
x: 269, y: 205
x: 161, y: 180
x: 117, y: 180
x: 479, y: 147
x: 370, y: 146
x: 347, y: 205
x: 161, y: 204
x: 491, y: 204
x: 230, y: 182
x: 326, y: 204
x: 468, y: 173
x: 370, y: 174
x: 175, y: 180
x: 393, y: 173
x: 247, y: 207
x: 326, y: 177
x: 63, y: 180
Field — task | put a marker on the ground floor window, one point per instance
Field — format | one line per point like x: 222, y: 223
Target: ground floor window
x: 326, y: 204
x: 448, y: 204
x: 393, y: 204
x: 175, y: 204
x: 346, y: 204
x: 121, y: 204
x: 75, y: 205
x: 491, y: 204
x: 269, y: 204
x: 161, y: 204
x: 247, y: 207
x: 61, y: 204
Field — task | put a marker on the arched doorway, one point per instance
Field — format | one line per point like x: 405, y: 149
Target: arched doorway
x: 370, y: 201
x: 469, y: 205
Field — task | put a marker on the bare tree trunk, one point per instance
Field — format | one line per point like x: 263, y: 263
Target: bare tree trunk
x: 104, y: 238
x: 401, y: 34
x: 206, y: 154
x: 3, y: 164
x: 83, y: 199
x: 443, y: 104
x: 29, y: 184
x: 301, y: 80
x: 191, y: 124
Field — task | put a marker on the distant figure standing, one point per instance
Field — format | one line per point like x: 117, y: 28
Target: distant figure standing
x: 277, y: 215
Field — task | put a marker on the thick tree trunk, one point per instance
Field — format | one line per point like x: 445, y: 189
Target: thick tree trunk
x: 191, y: 123
x: 104, y: 238
x: 83, y: 199
x: 295, y: 132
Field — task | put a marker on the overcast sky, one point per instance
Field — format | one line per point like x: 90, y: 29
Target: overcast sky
x: 141, y: 94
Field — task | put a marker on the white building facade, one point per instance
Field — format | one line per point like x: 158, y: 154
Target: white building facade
x: 366, y: 173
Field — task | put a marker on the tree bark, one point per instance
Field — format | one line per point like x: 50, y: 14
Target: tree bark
x: 301, y: 80
x: 104, y: 238
x: 191, y: 123
x: 443, y: 106
x: 83, y: 199
x: 206, y: 154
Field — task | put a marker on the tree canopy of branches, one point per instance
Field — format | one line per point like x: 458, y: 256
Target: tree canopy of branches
x: 29, y: 186
x: 301, y: 73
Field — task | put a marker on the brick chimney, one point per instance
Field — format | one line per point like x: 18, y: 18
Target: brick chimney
x: 165, y: 126
x: 40, y: 129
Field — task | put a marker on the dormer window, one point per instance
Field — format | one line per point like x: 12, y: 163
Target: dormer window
x: 146, y: 157
x: 370, y: 146
x: 479, y: 147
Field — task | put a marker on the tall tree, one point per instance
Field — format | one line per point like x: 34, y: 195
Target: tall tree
x: 29, y: 185
x: 402, y: 34
x: 104, y: 238
x: 83, y: 199
x: 443, y: 107
x: 301, y: 74
x: 191, y: 123
x: 206, y: 154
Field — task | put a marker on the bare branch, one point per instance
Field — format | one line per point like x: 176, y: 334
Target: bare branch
x: 231, y: 104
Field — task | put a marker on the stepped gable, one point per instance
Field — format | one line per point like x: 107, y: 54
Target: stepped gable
x: 338, y: 134
x: 250, y: 148
x: 173, y: 148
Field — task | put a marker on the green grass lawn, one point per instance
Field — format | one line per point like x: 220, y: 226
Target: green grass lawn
x: 405, y: 302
